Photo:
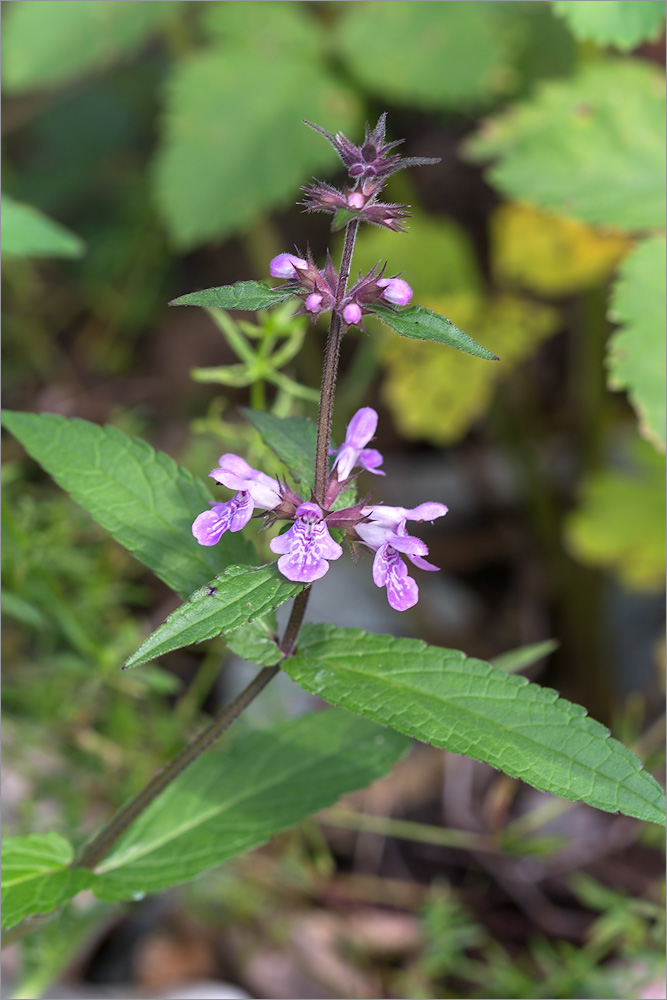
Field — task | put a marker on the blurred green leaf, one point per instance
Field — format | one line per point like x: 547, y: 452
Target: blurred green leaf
x: 292, y: 439
x: 435, y: 255
x: 234, y: 598
x: 250, y: 295
x: 234, y: 145
x: 620, y: 522
x: 622, y: 23
x: 419, y: 323
x: 592, y: 147
x: 524, y: 656
x: 35, y: 876
x: 436, y: 395
x: 256, y: 642
x: 467, y: 706
x: 233, y: 799
x: 429, y: 55
x: 48, y: 42
x: 139, y: 495
x: 27, y: 232
x: 277, y: 27
x: 636, y: 352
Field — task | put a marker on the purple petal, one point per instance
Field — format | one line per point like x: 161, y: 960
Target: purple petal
x: 210, y: 526
x: 306, y: 546
x: 286, y: 265
x: 352, y: 313
x: 313, y: 302
x: 361, y: 427
x: 369, y: 459
x: 396, y: 291
x: 426, y: 512
x: 390, y: 571
x: 235, y: 473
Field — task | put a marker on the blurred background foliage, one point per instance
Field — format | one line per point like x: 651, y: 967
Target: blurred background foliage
x: 154, y: 148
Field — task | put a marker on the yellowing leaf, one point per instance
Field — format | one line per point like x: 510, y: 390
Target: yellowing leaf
x: 436, y: 394
x: 620, y: 523
x: 551, y: 254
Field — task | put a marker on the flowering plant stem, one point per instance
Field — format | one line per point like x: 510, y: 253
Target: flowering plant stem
x: 330, y: 368
x: 101, y: 844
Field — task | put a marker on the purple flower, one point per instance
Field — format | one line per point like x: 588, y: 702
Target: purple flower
x: 254, y: 489
x: 286, y: 265
x: 395, y: 290
x: 352, y: 313
x: 385, y: 532
x: 347, y: 204
x: 305, y: 548
x: 353, y: 451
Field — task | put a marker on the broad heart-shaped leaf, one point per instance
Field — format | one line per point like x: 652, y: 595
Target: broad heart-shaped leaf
x: 234, y: 598
x: 592, y: 146
x: 292, y: 439
x: 140, y: 495
x: 452, y: 55
x: 35, y: 876
x: 250, y: 295
x: 623, y: 23
x: 228, y: 154
x: 46, y: 43
x: 231, y: 800
x: 27, y: 232
x: 419, y: 323
x: 636, y: 353
x: 467, y: 706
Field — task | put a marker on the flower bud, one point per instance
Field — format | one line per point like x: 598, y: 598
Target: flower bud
x: 351, y: 313
x: 395, y: 290
x: 313, y: 302
x: 286, y: 265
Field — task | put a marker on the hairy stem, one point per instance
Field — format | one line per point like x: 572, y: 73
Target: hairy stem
x: 330, y: 369
x: 101, y: 844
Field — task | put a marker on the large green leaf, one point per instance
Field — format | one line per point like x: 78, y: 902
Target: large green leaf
x: 636, y: 355
x: 139, y: 495
x: 249, y: 295
x: 424, y: 324
x: 47, y: 42
x: 27, y: 232
x: 229, y: 153
x: 231, y: 800
x: 467, y: 706
x: 432, y: 55
x: 35, y: 876
x: 234, y: 598
x: 623, y: 23
x: 619, y: 524
x: 257, y: 642
x: 592, y: 146
x: 292, y: 439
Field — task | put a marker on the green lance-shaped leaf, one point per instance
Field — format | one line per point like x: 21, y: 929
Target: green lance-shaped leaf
x: 292, y: 439
x: 623, y: 23
x: 419, y: 323
x: 248, y: 295
x: 257, y: 642
x: 140, y: 495
x: 231, y: 800
x: 234, y: 598
x: 35, y: 876
x: 27, y: 232
x: 467, y: 706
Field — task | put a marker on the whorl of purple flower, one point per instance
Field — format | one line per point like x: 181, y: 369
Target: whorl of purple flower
x: 371, y: 163
x: 349, y: 204
x: 305, y: 548
x: 254, y: 489
x: 353, y: 451
x: 386, y: 534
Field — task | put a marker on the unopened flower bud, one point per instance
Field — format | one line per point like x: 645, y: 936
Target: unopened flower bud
x: 352, y: 313
x: 313, y: 302
x: 395, y: 290
x: 287, y: 265
x: 356, y: 200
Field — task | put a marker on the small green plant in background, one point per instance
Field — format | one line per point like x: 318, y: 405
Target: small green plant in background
x: 580, y: 159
